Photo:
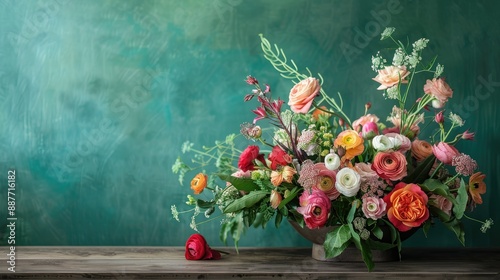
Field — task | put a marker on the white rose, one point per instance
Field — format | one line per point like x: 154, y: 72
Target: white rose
x: 382, y: 143
x: 348, y: 182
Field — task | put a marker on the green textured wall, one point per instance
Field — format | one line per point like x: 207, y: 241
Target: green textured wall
x: 96, y: 98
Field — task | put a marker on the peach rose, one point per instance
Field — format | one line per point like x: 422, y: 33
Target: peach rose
x: 390, y: 165
x: 407, y: 206
x: 445, y: 152
x: 420, y: 149
x: 390, y: 76
x: 351, y: 142
x: 303, y: 94
x: 438, y: 88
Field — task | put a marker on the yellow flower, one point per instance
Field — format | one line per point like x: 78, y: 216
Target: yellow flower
x: 199, y: 183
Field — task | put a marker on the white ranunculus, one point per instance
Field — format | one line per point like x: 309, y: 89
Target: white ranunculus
x: 347, y: 182
x: 382, y: 143
x: 332, y: 161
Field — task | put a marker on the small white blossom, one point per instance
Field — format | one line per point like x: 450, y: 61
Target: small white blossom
x: 378, y: 62
x: 387, y: 33
x: 456, y: 119
x: 413, y: 60
x: 399, y: 57
x: 392, y: 92
x: 420, y: 44
x: 175, y: 213
x: 486, y: 225
x: 439, y: 70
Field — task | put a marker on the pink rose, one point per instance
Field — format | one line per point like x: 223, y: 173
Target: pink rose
x: 390, y: 165
x: 390, y: 76
x: 326, y: 182
x: 359, y: 123
x: 365, y: 171
x: 303, y: 94
x: 444, y: 152
x: 315, y: 208
x: 373, y: 207
x: 438, y: 88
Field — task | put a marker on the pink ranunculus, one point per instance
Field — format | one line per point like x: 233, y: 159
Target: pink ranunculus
x: 302, y: 95
x: 326, y: 182
x: 197, y: 249
x: 373, y: 207
x: 315, y: 208
x: 359, y: 123
x: 438, y: 88
x: 365, y: 171
x: 390, y: 76
x: 444, y: 152
x: 390, y: 165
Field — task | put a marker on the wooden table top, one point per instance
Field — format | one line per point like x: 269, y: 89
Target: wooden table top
x: 251, y: 263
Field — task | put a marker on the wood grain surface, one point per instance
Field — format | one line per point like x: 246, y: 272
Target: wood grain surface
x: 250, y: 263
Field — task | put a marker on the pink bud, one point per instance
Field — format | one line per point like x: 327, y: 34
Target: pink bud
x: 369, y: 130
x: 368, y: 106
x: 251, y: 80
x: 468, y: 135
x: 341, y: 122
x: 439, y: 118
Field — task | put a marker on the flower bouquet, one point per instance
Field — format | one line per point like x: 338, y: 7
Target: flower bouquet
x: 314, y: 166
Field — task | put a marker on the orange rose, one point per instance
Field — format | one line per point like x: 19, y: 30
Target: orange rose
x: 303, y: 94
x: 390, y: 76
x: 351, y: 142
x: 421, y: 149
x: 199, y: 183
x: 390, y: 165
x: 407, y: 206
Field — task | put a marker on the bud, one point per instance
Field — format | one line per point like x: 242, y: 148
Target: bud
x: 437, y: 104
x: 369, y: 130
x: 275, y: 199
x: 251, y: 80
x: 341, y: 122
x: 368, y: 105
x: 468, y: 135
x: 439, y: 118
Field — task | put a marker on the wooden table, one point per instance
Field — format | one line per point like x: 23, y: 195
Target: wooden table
x: 251, y: 263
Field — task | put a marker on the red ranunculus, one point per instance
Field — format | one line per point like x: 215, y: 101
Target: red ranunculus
x: 390, y: 165
x: 197, y: 249
x: 248, y: 156
x: 279, y: 157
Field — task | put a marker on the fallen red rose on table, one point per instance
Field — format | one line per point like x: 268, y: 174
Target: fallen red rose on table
x: 197, y: 249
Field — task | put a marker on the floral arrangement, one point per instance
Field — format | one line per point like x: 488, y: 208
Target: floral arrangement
x: 371, y: 183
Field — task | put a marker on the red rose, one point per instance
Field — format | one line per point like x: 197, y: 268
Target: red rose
x: 197, y: 249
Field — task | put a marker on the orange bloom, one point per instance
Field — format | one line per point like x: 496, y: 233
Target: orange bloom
x: 477, y: 187
x: 351, y: 142
x: 421, y: 149
x: 407, y: 206
x: 320, y: 112
x: 275, y: 199
x: 284, y: 173
x: 199, y: 183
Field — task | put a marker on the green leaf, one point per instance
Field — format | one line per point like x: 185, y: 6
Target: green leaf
x: 461, y: 201
x: 377, y: 245
x: 421, y: 172
x: 278, y: 219
x: 290, y: 196
x: 204, y: 204
x: 245, y: 202
x: 377, y: 231
x: 336, y: 241
x: 258, y: 219
x: 242, y: 184
x: 354, y: 206
x: 366, y: 253
x: 426, y: 227
x: 457, y: 227
x: 437, y: 187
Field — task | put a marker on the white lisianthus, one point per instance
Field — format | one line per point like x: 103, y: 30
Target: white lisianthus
x: 382, y: 143
x: 347, y: 182
x: 332, y: 161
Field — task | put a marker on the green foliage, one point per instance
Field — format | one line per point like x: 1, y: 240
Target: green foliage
x: 246, y: 201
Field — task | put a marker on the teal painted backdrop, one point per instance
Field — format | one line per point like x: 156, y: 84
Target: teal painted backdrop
x: 96, y: 98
